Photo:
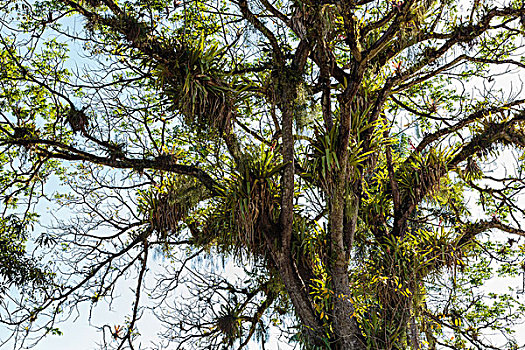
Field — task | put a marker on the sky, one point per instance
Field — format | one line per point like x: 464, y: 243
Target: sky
x: 79, y: 334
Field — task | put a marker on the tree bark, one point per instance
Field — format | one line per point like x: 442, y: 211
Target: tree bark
x: 345, y: 325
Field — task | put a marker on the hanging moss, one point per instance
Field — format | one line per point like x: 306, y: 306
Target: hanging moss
x: 248, y: 198
x: 77, y: 119
x: 167, y: 204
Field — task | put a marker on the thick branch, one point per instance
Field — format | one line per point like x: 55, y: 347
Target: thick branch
x: 474, y: 229
x: 502, y: 133
x: 250, y: 17
x: 70, y: 153
x: 465, y: 122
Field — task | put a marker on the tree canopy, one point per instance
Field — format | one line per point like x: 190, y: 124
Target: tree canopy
x: 355, y: 159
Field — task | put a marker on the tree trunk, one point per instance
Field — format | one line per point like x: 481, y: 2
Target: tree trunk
x: 345, y: 325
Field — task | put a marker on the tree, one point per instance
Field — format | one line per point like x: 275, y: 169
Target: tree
x: 335, y: 150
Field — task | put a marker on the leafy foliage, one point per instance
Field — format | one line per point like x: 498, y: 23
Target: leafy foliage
x: 15, y: 267
x: 351, y: 162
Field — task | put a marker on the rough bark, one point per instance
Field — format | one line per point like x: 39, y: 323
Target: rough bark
x: 345, y: 325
